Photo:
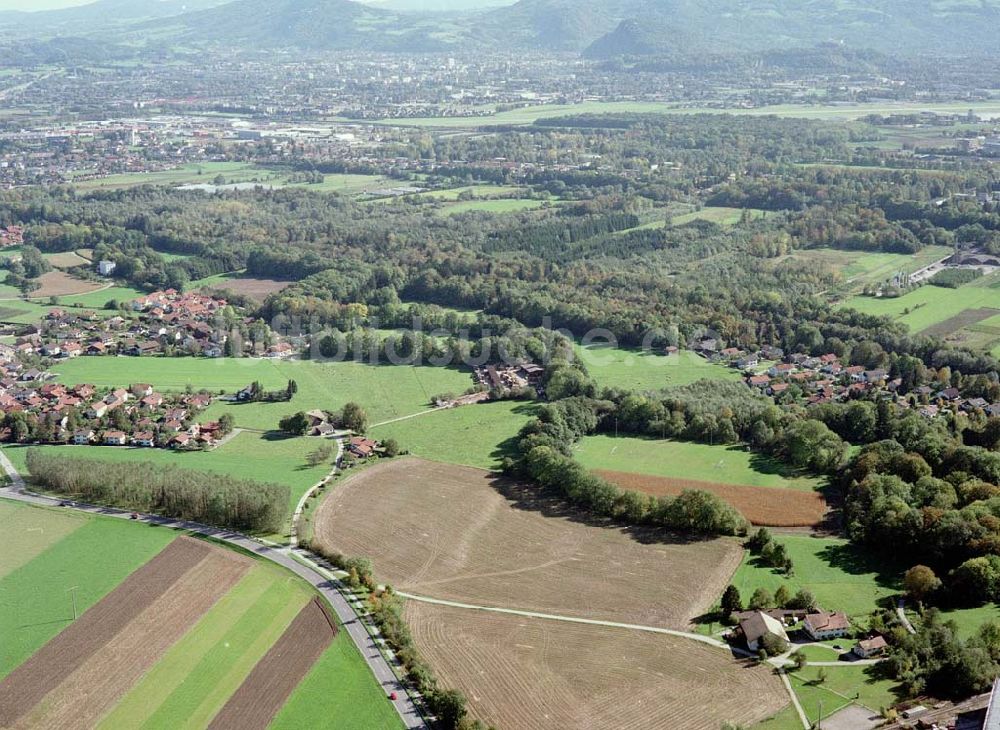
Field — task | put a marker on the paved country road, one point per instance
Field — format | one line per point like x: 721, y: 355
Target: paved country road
x: 326, y: 586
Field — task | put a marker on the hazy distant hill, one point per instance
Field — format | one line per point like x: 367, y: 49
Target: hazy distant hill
x: 102, y: 14
x: 598, y: 28
x: 315, y: 24
x: 613, y: 27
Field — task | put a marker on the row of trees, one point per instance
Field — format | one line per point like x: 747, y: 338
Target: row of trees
x: 447, y: 705
x: 214, y: 499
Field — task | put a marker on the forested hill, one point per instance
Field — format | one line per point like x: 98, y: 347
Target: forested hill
x: 613, y: 27
x: 597, y: 28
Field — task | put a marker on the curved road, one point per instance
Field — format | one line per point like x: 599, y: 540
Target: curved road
x: 326, y: 586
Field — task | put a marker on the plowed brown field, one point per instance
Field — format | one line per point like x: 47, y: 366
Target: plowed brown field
x: 58, y: 283
x: 265, y: 690
x: 25, y: 687
x: 765, y: 506
x: 459, y: 534
x: 99, y: 683
x: 522, y: 674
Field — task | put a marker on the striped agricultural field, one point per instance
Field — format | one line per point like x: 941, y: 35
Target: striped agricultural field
x: 171, y: 632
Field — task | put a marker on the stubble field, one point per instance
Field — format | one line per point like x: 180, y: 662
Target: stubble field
x: 536, y: 674
x: 460, y: 534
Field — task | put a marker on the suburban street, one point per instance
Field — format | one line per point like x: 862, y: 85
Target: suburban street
x: 327, y: 587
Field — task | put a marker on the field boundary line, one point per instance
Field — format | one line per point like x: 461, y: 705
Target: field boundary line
x: 795, y: 700
x: 412, y: 415
x: 575, y: 620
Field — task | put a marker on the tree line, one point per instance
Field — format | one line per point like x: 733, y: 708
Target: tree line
x: 143, y: 486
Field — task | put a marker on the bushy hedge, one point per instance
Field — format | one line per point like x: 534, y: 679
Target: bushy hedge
x: 214, y: 499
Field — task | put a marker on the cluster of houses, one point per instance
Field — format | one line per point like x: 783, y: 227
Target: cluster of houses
x: 825, y: 379
x: 85, y: 415
x: 164, y: 319
x: 818, y: 625
x: 11, y: 236
x: 509, y: 377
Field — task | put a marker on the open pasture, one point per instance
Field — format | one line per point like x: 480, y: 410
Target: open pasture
x: 840, y: 576
x: 528, y: 673
x: 202, y: 172
x: 760, y: 505
x: 385, y: 391
x: 503, y: 205
x: 858, y: 268
x: 690, y: 460
x: 616, y: 367
x: 28, y: 532
x: 470, y: 435
x: 464, y: 535
x: 93, y: 299
x: 930, y: 305
x: 721, y: 216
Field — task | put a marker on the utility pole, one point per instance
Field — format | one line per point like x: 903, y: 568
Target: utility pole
x: 73, y: 591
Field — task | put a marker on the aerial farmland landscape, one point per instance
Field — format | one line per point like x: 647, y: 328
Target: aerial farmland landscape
x: 499, y: 365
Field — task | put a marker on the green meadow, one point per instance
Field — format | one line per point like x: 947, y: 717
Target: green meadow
x: 721, y: 216
x: 841, y: 576
x: 843, y: 686
x: 787, y: 719
x: 36, y: 602
x: 689, y: 460
x: 614, y: 367
x: 529, y: 114
x: 470, y: 435
x: 859, y: 268
x: 503, y: 205
x: 27, y: 532
x: 337, y: 694
x: 929, y: 305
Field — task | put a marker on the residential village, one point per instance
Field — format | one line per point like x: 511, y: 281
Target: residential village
x: 827, y: 379
x: 162, y: 323
x: 38, y: 410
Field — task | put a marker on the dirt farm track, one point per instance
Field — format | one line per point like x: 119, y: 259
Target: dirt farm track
x: 460, y: 534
